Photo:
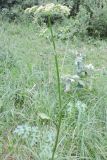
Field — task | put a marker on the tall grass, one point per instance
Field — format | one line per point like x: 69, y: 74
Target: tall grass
x: 23, y: 63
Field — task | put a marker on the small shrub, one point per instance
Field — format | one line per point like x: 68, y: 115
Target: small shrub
x: 98, y: 22
x: 24, y: 4
x: 13, y: 14
x: 12, y: 10
x: 28, y: 3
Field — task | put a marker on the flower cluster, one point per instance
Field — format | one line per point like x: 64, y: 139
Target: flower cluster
x: 49, y: 9
x: 31, y: 10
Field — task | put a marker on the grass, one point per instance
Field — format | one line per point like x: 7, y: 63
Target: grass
x: 28, y: 87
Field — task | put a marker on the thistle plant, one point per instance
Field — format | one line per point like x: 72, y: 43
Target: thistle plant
x: 79, y: 62
x: 83, y: 77
x: 81, y: 67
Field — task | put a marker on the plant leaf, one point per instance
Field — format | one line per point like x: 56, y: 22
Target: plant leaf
x: 43, y: 116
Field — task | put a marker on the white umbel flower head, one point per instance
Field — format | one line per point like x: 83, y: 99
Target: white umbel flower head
x: 27, y: 10
x: 52, y: 8
x: 39, y: 9
x: 49, y: 7
x: 33, y: 9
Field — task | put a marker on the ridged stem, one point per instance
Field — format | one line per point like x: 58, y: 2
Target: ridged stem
x: 59, y: 91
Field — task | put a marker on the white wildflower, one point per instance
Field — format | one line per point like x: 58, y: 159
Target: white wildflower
x: 65, y: 9
x: 39, y: 9
x: 33, y: 9
x: 49, y: 7
x: 27, y: 10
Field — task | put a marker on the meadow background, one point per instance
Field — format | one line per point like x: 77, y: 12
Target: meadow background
x: 29, y: 105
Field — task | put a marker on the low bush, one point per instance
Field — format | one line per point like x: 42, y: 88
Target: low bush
x: 98, y: 23
x: 13, y: 10
x: 13, y: 14
x: 24, y: 4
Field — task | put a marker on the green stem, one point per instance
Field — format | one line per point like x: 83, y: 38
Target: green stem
x: 59, y: 92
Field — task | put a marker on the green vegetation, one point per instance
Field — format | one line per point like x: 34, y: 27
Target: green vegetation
x: 53, y: 83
